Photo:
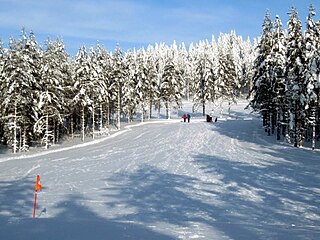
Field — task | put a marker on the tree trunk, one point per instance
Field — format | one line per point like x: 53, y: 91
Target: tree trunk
x: 142, y: 111
x: 269, y: 123
x: 278, y: 124
x: 20, y: 139
x: 46, y: 139
x: 14, y: 144
x: 57, y: 132
x: 150, y: 109
x: 203, y: 108
x: 313, y: 136
x: 168, y: 110
x: 296, y: 134
x: 71, y: 126
x: 101, y: 118
x: 93, y: 120
x: 119, y: 109
x: 82, y: 111
x: 129, y: 116
x: 159, y: 108
x: 313, y: 122
x: 25, y: 146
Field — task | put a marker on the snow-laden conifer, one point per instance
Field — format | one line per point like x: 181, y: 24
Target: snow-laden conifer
x: 82, y: 86
x: 51, y: 102
x: 311, y: 74
x: 171, y: 84
x: 118, y: 76
x: 279, y: 108
x: 19, y: 90
x: 296, y: 93
x: 104, y: 63
x: 262, y: 83
x: 204, y: 81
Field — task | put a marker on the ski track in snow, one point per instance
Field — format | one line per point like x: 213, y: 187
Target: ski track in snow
x: 166, y: 180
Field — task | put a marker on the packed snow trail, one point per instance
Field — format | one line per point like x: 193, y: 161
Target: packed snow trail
x: 167, y: 180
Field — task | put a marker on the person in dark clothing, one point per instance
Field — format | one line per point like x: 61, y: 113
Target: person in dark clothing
x: 188, y: 116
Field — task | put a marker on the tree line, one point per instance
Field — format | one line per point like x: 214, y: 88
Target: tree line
x: 286, y: 79
x: 47, y: 95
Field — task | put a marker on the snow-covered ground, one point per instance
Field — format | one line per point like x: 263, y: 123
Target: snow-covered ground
x: 166, y: 180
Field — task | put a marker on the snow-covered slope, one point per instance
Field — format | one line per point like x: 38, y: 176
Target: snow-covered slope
x: 166, y: 180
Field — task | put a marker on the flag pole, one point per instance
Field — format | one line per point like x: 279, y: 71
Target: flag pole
x: 35, y: 204
x: 36, y: 188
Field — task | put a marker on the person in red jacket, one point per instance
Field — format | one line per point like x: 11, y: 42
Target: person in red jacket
x: 184, y: 116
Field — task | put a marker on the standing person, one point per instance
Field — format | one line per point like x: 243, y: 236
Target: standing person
x: 188, y: 116
x: 184, y: 117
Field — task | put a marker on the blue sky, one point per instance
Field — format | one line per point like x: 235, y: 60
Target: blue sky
x: 137, y: 23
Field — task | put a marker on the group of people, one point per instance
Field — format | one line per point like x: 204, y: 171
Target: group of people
x: 185, y: 117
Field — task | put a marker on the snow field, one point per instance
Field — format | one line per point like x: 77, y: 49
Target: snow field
x: 166, y: 180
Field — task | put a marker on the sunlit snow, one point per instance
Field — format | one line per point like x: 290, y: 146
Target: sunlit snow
x: 166, y: 179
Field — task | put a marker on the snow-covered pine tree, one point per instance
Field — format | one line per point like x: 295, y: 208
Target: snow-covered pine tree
x: 227, y: 78
x: 143, y: 82
x: 160, y: 51
x: 296, y: 93
x: 184, y: 67
x: 130, y: 95
x: 311, y: 73
x: 118, y: 77
x: 262, y: 84
x: 10, y: 96
x: 20, y: 87
x: 82, y: 86
x: 278, y: 63
x: 32, y: 55
x: 104, y: 65
x: 153, y: 93
x: 204, y: 83
x: 246, y: 59
x: 51, y: 102
x: 171, y: 85
x: 99, y: 89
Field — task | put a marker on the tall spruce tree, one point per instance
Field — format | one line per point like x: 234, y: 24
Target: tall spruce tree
x: 279, y: 110
x: 19, y: 88
x: 296, y: 93
x: 311, y: 73
x: 171, y: 85
x: 53, y: 74
x: 83, y: 87
x: 262, y: 84
x: 118, y: 77
x: 104, y: 62
x: 205, y: 78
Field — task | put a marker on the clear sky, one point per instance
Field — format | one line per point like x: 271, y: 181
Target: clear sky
x: 137, y: 23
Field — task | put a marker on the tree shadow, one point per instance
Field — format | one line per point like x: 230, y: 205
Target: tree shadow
x: 16, y: 197
x: 74, y: 220
x: 180, y: 201
x: 248, y: 127
x: 245, y: 130
x: 278, y: 201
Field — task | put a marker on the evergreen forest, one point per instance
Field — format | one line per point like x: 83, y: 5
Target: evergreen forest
x: 46, y: 95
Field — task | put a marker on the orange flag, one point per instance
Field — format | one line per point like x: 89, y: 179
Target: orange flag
x: 38, y: 185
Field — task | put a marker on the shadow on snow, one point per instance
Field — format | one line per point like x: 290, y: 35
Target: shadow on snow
x: 74, y: 221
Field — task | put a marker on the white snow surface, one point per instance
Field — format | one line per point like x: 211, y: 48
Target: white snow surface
x: 166, y: 179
